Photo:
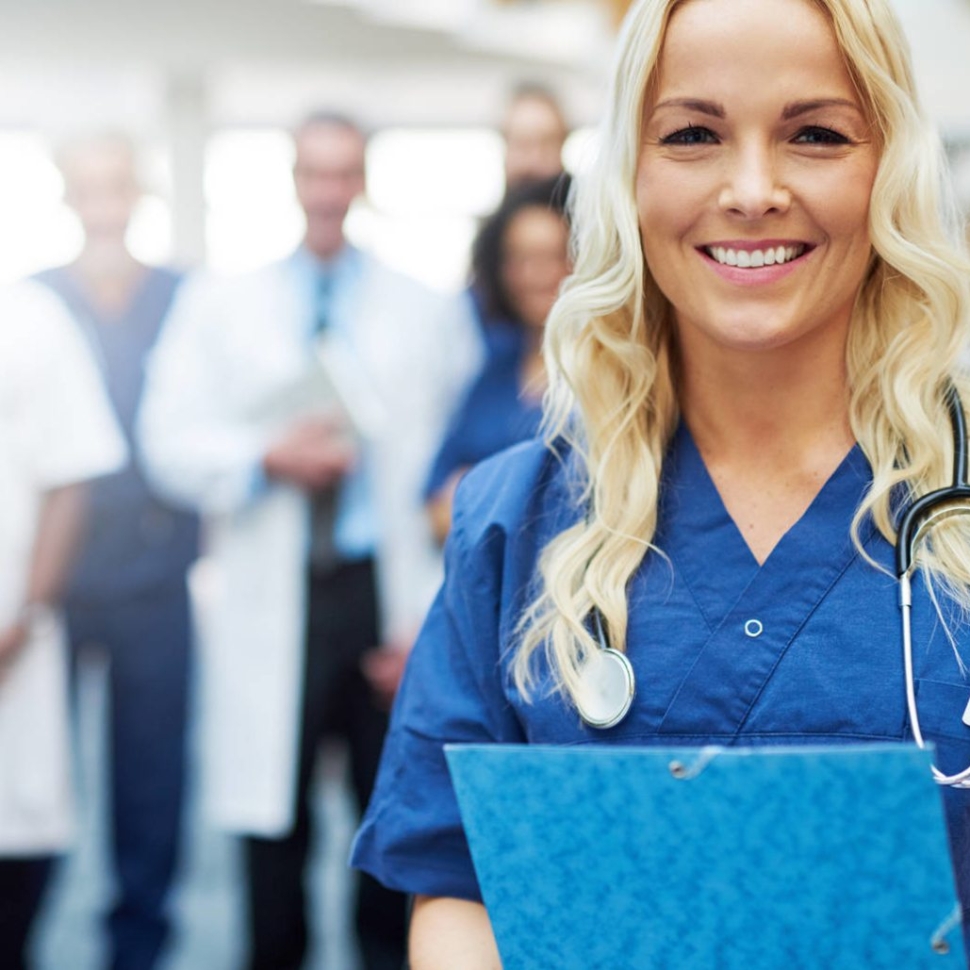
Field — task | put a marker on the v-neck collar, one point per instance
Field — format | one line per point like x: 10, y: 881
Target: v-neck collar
x: 753, y: 613
x: 103, y: 318
x: 696, y: 530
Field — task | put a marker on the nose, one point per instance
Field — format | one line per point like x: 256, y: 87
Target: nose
x: 752, y: 188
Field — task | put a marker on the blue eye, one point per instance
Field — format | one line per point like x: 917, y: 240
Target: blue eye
x: 691, y: 135
x: 817, y: 135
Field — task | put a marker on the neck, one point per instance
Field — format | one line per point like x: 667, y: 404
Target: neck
x: 770, y: 403
x: 324, y: 249
x: 771, y: 428
x: 109, y: 275
x: 532, y: 370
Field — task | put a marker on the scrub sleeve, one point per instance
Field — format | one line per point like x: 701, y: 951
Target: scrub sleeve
x: 454, y: 690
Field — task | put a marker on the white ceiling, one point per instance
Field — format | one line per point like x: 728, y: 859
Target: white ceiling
x: 82, y: 62
x: 67, y: 63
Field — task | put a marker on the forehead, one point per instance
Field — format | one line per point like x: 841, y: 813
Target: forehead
x: 534, y: 220
x: 98, y: 162
x: 728, y: 46
x: 528, y: 114
x: 329, y: 144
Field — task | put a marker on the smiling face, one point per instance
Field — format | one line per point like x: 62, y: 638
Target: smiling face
x: 535, y: 261
x: 754, y: 177
x: 534, y: 133
x: 328, y: 175
x: 101, y: 186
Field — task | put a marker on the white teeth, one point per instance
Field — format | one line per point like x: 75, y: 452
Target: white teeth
x: 755, y: 258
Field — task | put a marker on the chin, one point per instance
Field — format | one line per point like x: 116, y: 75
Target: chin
x: 758, y: 330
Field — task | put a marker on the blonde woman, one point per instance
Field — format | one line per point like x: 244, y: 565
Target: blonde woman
x: 749, y: 373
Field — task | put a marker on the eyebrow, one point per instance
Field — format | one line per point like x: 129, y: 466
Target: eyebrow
x: 793, y: 110
x: 797, y: 108
x: 711, y: 108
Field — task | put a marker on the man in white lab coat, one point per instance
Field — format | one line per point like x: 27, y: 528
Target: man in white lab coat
x: 322, y: 562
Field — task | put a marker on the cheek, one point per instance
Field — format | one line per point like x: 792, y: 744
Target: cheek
x: 667, y: 207
x: 661, y: 232
x: 843, y: 214
x: 842, y: 203
x: 514, y: 290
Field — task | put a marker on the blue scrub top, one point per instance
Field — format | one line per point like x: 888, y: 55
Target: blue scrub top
x: 825, y: 668
x: 493, y: 416
x: 135, y: 543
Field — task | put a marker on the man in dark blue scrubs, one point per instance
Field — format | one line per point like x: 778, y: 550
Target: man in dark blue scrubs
x: 128, y: 592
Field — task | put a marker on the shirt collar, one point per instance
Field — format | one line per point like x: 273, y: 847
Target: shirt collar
x: 344, y: 266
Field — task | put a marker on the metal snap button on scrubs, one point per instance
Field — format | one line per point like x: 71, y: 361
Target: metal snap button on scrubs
x: 754, y: 628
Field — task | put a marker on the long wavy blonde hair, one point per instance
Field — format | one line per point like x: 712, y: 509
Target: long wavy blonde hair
x: 613, y: 393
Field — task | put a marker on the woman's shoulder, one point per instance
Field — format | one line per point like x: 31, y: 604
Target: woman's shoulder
x: 523, y: 491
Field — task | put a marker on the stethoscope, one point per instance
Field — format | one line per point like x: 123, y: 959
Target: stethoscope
x: 920, y: 515
x: 607, y: 683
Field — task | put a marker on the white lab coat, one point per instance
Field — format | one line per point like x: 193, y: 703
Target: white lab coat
x: 56, y: 429
x: 229, y: 346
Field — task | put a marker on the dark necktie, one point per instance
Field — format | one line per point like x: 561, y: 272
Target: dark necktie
x: 323, y: 503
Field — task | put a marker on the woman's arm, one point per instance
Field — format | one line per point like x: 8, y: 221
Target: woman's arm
x: 439, y: 506
x: 58, y: 532
x: 58, y: 535
x: 451, y: 934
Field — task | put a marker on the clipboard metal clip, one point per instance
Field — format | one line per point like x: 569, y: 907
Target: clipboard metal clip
x: 684, y: 772
x: 938, y: 941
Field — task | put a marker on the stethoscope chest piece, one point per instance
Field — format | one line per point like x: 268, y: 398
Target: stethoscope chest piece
x: 606, y: 688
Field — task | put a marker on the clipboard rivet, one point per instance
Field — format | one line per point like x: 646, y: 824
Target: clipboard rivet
x: 704, y: 757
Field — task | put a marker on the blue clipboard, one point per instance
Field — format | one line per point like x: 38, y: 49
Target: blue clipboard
x: 802, y: 858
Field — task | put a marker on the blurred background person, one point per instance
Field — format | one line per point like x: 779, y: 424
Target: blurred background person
x: 534, y: 130
x: 127, y: 593
x: 519, y: 260
x: 56, y: 432
x: 323, y: 559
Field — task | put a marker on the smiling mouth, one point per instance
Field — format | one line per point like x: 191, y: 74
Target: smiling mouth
x: 756, y: 258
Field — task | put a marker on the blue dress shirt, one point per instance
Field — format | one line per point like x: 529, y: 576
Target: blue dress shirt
x: 355, y: 530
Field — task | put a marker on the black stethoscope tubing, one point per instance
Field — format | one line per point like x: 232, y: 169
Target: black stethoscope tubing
x: 925, y: 505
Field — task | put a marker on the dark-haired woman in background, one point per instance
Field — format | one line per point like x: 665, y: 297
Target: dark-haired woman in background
x: 520, y: 258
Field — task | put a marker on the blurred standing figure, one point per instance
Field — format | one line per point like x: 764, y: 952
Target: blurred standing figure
x: 519, y: 261
x: 127, y: 593
x: 56, y: 431
x: 535, y: 131
x: 323, y: 559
